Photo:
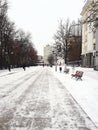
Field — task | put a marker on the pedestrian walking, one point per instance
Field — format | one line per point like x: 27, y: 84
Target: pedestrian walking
x: 60, y: 68
x: 24, y: 67
x: 9, y: 68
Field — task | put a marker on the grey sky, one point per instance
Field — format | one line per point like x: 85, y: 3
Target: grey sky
x: 40, y: 17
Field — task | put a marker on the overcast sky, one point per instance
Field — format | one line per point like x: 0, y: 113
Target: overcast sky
x: 40, y: 17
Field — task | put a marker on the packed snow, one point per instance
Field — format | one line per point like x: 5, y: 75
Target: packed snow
x: 85, y: 91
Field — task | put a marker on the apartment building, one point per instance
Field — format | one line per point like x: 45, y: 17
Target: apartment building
x: 88, y: 35
x: 74, y: 49
x: 47, y: 53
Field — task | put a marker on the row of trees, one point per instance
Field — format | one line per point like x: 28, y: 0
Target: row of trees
x: 68, y: 41
x: 16, y: 47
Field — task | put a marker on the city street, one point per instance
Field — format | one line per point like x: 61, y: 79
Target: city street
x: 36, y: 100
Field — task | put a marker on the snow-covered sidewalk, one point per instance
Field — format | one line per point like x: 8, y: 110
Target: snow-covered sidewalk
x: 85, y: 92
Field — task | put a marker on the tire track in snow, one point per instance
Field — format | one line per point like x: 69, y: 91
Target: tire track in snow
x: 14, y: 87
x: 22, y: 121
x: 42, y: 118
x: 37, y: 108
x: 15, y: 84
x: 5, y: 117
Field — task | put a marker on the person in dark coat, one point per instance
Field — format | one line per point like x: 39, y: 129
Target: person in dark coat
x: 24, y: 67
x: 60, y: 68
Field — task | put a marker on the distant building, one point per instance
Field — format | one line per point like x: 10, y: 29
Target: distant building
x: 74, y: 49
x: 47, y: 53
x: 40, y: 60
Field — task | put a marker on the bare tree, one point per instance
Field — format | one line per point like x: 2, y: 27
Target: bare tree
x: 24, y: 49
x: 60, y: 38
x: 63, y: 36
x: 3, y: 19
x: 16, y: 47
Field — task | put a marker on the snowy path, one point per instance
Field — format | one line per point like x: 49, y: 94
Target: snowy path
x: 36, y: 100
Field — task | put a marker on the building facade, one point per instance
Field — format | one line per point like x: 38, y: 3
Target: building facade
x: 47, y: 53
x: 74, y: 50
x: 88, y: 35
